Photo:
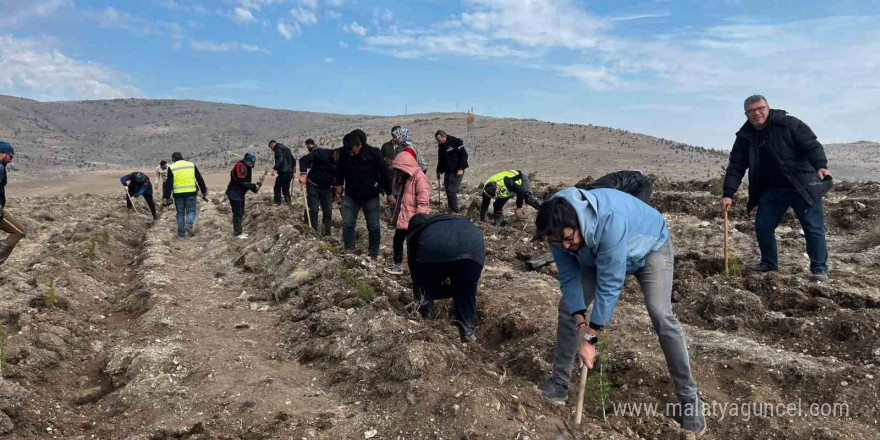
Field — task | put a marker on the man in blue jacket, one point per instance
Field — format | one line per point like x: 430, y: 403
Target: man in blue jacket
x: 138, y: 184
x: 597, y: 238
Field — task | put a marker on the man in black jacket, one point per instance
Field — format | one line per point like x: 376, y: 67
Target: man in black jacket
x: 7, y: 222
x: 787, y: 168
x: 632, y: 182
x: 284, y: 166
x: 388, y: 151
x: 362, y: 174
x: 318, y: 173
x: 452, y: 159
x: 446, y: 255
x: 240, y: 178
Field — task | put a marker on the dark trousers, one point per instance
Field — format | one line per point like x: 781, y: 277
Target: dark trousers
x: 282, y: 187
x: 150, y: 203
x: 399, y: 240
x: 350, y: 209
x: 451, y: 184
x: 237, y: 215
x: 186, y: 206
x: 429, y: 283
x: 771, y: 207
x: 323, y: 198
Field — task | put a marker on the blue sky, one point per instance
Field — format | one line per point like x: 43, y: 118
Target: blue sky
x: 675, y: 69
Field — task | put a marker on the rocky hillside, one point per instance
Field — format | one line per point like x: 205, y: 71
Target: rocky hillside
x: 66, y: 137
x: 111, y: 328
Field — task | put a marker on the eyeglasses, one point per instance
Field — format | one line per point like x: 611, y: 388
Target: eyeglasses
x: 568, y: 239
x: 756, y: 110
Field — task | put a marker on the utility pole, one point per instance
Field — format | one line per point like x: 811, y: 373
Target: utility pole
x: 470, y: 143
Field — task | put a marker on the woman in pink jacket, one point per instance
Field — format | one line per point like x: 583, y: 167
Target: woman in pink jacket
x: 413, y: 197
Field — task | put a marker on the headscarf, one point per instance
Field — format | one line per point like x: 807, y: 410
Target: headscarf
x: 403, y: 135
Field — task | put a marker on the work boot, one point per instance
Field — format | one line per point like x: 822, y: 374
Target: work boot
x: 5, y: 251
x: 468, y: 338
x: 819, y: 276
x: 394, y: 269
x: 760, y: 268
x: 554, y: 390
x: 189, y: 231
x: 692, y: 417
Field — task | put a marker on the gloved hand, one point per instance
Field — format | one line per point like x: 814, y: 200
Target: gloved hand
x: 259, y: 185
x: 166, y: 202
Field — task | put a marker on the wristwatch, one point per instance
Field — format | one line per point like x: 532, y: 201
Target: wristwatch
x: 591, y: 338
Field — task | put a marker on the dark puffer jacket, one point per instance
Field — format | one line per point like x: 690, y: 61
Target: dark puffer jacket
x: 284, y: 161
x: 796, y: 149
x: 363, y: 175
x: 632, y: 182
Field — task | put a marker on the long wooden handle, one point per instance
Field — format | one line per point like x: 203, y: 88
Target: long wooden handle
x: 131, y: 200
x: 306, y: 205
x: 579, y: 412
x: 726, y: 229
x: 12, y: 226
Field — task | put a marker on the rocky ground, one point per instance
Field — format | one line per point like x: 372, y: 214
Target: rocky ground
x: 114, y: 328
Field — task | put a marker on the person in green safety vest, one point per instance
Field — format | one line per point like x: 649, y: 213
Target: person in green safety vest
x: 184, y: 182
x: 502, y: 187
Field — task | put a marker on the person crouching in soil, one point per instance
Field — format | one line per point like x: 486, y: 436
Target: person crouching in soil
x: 446, y: 254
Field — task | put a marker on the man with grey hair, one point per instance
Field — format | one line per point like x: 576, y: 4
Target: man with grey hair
x: 787, y: 168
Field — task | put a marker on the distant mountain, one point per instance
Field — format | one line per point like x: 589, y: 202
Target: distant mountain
x: 63, y: 137
x: 854, y: 161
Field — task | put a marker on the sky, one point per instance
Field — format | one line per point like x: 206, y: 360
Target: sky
x: 674, y: 69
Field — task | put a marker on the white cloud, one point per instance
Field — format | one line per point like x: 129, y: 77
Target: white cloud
x: 329, y: 60
x: 304, y: 16
x: 115, y: 19
x: 286, y: 30
x: 36, y: 68
x: 355, y: 28
x: 227, y: 46
x: 243, y: 16
x: 333, y: 15
x: 343, y: 44
x: 192, y: 8
x: 15, y: 12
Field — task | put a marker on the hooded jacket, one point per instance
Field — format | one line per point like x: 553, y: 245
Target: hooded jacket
x: 451, y: 156
x: 145, y: 188
x: 413, y: 192
x: 632, y: 182
x: 619, y: 231
x: 363, y: 175
x: 798, y: 154
x: 443, y: 238
x: 240, y: 181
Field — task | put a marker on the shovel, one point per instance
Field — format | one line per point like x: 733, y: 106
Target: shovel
x: 726, y: 229
x: 579, y: 412
x: 131, y: 200
x: 9, y: 223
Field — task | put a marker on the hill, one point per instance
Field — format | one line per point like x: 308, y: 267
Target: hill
x: 64, y: 137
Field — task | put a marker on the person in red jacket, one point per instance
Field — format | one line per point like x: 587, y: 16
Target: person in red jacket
x: 239, y: 184
x: 413, y: 197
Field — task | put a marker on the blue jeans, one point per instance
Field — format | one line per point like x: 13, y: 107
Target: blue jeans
x: 655, y: 278
x: 350, y: 209
x: 771, y: 207
x: 186, y: 212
